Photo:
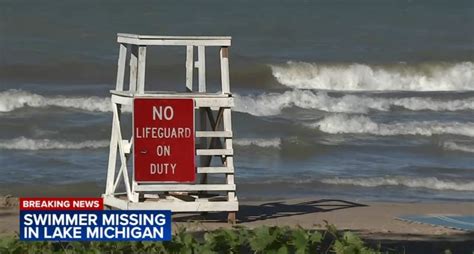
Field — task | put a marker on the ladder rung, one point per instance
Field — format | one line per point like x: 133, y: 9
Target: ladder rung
x: 185, y: 187
x: 126, y: 146
x: 205, y: 134
x: 214, y: 151
x: 215, y: 170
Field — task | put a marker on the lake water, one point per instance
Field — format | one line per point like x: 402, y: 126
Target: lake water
x: 369, y: 99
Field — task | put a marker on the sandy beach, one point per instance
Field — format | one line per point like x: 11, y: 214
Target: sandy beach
x: 375, y: 221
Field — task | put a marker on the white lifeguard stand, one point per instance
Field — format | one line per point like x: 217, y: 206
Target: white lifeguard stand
x: 213, y: 132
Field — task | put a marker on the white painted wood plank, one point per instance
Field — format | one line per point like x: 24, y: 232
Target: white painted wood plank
x: 184, y: 187
x: 203, y: 125
x: 214, y: 102
x: 203, y: 142
x: 224, y: 56
x: 133, y: 68
x: 112, y: 201
x: 126, y: 146
x: 122, y: 59
x: 209, y: 134
x: 202, y: 68
x: 179, y: 206
x: 112, y: 155
x: 199, y: 101
x: 210, y: 152
x: 215, y: 170
x: 119, y: 178
x: 173, y: 42
x: 229, y: 160
x: 123, y: 160
x: 169, y: 94
x: 141, y: 69
x: 231, y: 195
x: 166, y: 37
x: 173, y: 205
x: 121, y: 100
x: 189, y: 68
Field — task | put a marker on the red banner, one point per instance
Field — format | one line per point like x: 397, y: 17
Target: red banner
x: 59, y: 204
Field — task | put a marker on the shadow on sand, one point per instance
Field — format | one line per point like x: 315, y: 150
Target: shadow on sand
x: 406, y: 243
x: 273, y: 210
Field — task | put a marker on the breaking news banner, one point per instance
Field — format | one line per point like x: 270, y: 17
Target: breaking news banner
x: 83, y: 219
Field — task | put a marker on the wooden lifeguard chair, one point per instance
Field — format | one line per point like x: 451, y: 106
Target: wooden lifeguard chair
x: 213, y: 132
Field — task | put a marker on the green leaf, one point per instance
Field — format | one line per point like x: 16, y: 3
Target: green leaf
x: 300, y: 240
x: 316, y: 237
x: 239, y: 239
x: 353, y: 239
x: 261, y: 239
x: 338, y: 247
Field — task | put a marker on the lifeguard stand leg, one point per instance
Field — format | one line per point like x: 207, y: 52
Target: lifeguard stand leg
x: 141, y: 69
x: 231, y: 218
x: 229, y: 160
x: 189, y: 68
x: 113, y: 140
x: 201, y: 65
x: 133, y: 68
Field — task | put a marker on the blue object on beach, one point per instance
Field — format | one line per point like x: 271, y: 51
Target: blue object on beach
x: 456, y: 222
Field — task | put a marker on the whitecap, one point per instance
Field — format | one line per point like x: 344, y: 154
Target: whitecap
x: 411, y: 182
x: 362, y: 77
x: 259, y: 142
x: 23, y: 143
x: 359, y: 124
x: 14, y: 99
x: 455, y: 146
x: 273, y: 103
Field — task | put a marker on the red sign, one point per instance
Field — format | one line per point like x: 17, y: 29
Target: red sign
x: 164, y: 140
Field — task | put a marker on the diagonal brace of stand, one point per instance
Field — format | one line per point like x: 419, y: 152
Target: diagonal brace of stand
x: 215, y: 141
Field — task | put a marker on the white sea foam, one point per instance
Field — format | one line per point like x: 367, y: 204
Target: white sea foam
x: 23, y: 143
x: 261, y: 105
x: 274, y: 103
x: 14, y: 99
x: 260, y: 142
x: 454, y: 146
x: 423, y: 77
x: 412, y: 182
x: 341, y: 123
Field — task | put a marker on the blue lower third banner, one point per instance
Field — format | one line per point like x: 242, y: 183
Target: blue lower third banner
x: 119, y: 225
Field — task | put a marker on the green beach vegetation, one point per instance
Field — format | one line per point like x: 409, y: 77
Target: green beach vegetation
x: 236, y: 240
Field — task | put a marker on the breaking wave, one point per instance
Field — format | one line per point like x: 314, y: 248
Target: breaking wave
x: 360, y: 77
x: 23, y: 143
x: 260, y: 142
x: 453, y: 146
x: 274, y: 103
x: 15, y: 99
x: 341, y: 123
x: 261, y: 105
x: 412, y: 182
